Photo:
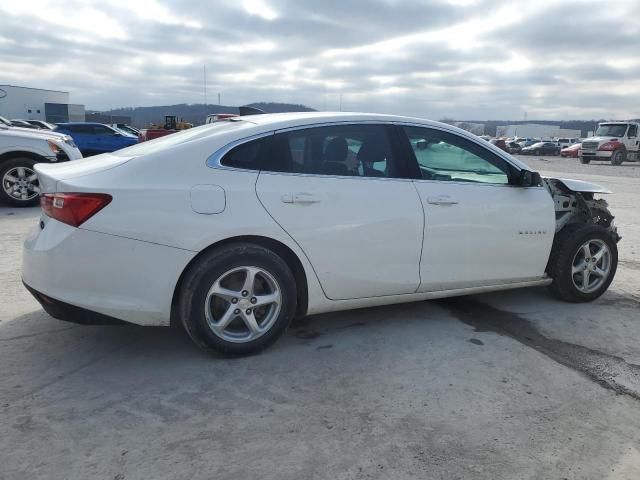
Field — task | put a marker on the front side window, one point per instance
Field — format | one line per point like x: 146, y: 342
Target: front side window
x: 100, y: 130
x: 341, y: 150
x: 446, y: 157
x: 633, y: 131
x: 87, y: 129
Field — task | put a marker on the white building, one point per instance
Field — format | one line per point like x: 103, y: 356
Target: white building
x: 475, y: 128
x: 38, y: 104
x: 536, y: 130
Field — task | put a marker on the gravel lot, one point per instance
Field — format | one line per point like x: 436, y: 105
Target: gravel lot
x: 501, y: 386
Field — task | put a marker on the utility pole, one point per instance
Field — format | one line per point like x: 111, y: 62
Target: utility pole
x: 340, y: 107
x: 218, y: 98
x: 204, y: 74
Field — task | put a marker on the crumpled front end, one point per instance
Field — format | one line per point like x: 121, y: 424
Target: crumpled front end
x: 575, y: 202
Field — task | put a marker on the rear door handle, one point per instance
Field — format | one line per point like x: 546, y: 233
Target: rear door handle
x: 442, y: 200
x: 302, y: 197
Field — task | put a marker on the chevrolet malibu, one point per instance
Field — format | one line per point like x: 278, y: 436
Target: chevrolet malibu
x: 234, y: 228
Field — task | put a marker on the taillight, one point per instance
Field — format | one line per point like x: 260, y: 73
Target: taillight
x: 609, y: 146
x: 73, y: 208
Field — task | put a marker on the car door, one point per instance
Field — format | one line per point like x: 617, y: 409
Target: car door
x: 82, y: 136
x: 105, y: 138
x: 480, y: 228
x: 631, y: 138
x: 338, y: 192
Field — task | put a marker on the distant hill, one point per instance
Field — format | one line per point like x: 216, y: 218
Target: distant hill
x: 195, y: 113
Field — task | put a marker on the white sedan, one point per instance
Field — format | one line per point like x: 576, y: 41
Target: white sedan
x: 234, y: 228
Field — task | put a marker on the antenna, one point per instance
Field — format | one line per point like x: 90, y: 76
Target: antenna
x: 204, y: 75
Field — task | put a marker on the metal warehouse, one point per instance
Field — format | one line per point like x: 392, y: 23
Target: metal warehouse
x: 38, y: 104
x: 536, y: 130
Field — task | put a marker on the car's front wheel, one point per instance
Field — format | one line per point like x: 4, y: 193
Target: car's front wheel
x: 20, y: 187
x: 237, y: 300
x: 618, y: 157
x: 583, y: 262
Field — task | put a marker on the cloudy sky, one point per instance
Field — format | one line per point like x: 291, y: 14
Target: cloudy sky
x: 462, y: 59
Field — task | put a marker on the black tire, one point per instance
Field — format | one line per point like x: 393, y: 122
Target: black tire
x: 202, y: 275
x: 584, y: 160
x: 618, y: 156
x: 5, y: 191
x: 537, y: 152
x: 565, y: 247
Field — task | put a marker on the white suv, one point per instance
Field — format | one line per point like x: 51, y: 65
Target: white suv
x: 20, y: 150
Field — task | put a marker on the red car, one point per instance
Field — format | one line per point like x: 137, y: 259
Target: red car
x: 571, y: 151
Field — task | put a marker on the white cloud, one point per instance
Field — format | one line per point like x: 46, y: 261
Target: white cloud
x: 433, y: 58
x: 259, y: 8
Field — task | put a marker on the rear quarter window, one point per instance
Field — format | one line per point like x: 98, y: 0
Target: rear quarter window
x: 249, y: 155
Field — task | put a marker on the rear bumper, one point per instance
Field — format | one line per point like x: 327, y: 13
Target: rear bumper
x: 71, y: 313
x: 112, y: 276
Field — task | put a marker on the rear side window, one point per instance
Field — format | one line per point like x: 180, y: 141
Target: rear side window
x: 249, y: 155
x: 341, y: 150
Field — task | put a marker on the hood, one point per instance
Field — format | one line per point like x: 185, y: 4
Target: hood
x: 599, y: 139
x: 581, y: 186
x: 32, y: 132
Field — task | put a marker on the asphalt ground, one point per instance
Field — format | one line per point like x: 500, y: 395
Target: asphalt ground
x: 499, y: 386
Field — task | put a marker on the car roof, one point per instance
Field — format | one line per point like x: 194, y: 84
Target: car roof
x: 63, y: 124
x: 300, y: 118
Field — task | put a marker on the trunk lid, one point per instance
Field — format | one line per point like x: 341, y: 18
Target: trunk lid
x: 50, y: 174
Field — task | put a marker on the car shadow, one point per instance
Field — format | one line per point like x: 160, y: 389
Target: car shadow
x: 41, y: 353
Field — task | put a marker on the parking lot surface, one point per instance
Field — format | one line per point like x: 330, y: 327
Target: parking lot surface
x: 498, y: 386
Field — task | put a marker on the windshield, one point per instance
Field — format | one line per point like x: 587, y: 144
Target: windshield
x: 184, y: 136
x: 611, y: 130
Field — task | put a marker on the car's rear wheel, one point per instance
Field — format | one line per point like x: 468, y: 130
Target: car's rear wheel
x: 583, y: 262
x: 20, y: 187
x: 237, y: 300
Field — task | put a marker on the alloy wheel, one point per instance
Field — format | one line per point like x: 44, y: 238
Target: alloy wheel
x: 591, y: 266
x: 21, y: 183
x: 243, y: 304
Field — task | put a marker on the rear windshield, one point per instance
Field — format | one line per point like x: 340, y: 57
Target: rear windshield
x: 178, y: 138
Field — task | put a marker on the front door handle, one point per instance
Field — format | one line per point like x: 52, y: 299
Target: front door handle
x: 302, y: 197
x: 441, y: 200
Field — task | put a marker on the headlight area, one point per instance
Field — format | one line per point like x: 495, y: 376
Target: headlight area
x: 69, y: 141
x: 58, y: 151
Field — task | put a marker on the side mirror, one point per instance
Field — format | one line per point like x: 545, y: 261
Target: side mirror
x: 529, y: 178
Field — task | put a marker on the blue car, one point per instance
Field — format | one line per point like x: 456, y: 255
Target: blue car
x: 96, y: 138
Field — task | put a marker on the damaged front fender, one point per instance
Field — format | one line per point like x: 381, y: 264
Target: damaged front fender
x: 575, y: 203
